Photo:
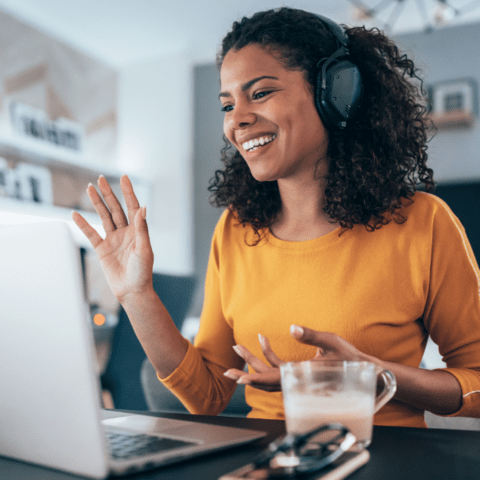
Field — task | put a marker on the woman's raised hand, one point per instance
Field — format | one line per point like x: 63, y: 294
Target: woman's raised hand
x: 125, y: 253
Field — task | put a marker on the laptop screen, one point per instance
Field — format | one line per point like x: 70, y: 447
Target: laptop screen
x: 50, y: 400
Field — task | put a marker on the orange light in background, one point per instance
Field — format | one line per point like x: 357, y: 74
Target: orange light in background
x: 99, y: 319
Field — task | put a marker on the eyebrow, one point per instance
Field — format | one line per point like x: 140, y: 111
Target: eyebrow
x: 247, y: 85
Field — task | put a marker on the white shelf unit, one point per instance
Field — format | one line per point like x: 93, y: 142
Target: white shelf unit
x: 58, y: 159
x: 40, y: 152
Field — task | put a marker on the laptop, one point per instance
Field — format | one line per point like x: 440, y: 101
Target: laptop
x: 50, y: 399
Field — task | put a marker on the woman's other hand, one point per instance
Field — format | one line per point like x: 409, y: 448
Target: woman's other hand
x: 125, y: 253
x: 330, y: 345
x: 267, y: 377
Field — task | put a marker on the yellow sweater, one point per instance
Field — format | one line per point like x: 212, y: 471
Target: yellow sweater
x: 384, y: 291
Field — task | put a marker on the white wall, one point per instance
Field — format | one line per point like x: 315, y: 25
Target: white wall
x: 155, y: 142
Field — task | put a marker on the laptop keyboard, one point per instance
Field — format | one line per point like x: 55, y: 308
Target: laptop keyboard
x: 125, y: 445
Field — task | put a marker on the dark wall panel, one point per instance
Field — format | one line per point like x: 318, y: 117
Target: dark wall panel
x: 464, y: 200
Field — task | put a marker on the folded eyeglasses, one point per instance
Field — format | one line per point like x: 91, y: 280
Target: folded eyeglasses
x: 298, y: 456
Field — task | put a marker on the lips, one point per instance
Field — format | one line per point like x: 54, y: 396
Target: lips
x: 258, y: 142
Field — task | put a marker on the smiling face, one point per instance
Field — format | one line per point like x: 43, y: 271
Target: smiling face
x: 270, y: 115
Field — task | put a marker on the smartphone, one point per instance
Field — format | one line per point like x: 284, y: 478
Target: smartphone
x: 337, y: 470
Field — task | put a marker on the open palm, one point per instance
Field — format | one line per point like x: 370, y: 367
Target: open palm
x: 125, y: 253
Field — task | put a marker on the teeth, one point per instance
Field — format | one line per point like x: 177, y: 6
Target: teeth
x: 256, y: 143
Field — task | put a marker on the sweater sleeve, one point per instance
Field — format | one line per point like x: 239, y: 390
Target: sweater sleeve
x: 198, y: 382
x: 452, y: 314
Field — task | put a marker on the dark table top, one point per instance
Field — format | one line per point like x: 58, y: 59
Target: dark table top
x: 396, y: 453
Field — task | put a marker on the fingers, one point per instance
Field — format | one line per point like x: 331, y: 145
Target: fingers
x: 319, y: 354
x: 130, y: 197
x: 93, y: 237
x: 268, y: 353
x: 109, y: 208
x: 234, y: 374
x: 255, y: 362
x: 116, y: 210
x: 142, y: 239
x: 324, y: 340
x: 101, y: 209
x: 251, y: 359
x: 330, y: 345
x: 265, y: 377
x: 268, y: 381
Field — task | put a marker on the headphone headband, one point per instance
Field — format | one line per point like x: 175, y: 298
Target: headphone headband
x: 337, y: 31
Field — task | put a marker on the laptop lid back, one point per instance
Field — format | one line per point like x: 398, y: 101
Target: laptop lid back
x: 49, y: 391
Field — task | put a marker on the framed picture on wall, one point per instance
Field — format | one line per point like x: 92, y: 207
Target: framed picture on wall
x: 454, y: 103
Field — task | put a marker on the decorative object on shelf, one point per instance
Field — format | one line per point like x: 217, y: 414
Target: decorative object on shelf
x: 454, y: 103
x: 33, y: 183
x: 34, y: 123
x: 434, y: 14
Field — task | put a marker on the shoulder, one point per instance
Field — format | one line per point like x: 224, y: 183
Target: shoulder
x: 431, y: 216
x: 421, y: 217
x: 427, y: 209
x: 227, y: 222
x: 424, y: 203
x: 229, y: 229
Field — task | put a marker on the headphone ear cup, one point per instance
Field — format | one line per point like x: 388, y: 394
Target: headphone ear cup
x: 338, y: 96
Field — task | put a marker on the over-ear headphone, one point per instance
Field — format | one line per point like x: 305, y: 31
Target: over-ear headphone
x: 338, y: 85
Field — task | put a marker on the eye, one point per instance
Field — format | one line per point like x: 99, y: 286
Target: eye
x: 227, y: 108
x: 259, y: 95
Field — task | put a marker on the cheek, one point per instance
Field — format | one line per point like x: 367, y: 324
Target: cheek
x: 310, y: 120
x: 293, y: 114
x: 226, y: 131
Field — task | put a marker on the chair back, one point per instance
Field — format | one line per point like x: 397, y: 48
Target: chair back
x: 122, y: 375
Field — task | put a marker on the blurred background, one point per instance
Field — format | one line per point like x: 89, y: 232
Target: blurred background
x: 108, y: 87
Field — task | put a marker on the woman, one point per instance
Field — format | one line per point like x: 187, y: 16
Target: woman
x: 325, y: 248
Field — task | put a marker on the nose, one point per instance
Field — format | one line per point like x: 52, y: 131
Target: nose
x: 241, y: 116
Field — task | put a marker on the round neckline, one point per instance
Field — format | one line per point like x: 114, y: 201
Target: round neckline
x: 322, y: 241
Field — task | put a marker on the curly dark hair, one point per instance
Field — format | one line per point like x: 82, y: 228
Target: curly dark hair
x: 377, y: 160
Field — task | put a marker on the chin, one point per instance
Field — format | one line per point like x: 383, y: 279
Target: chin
x: 262, y: 176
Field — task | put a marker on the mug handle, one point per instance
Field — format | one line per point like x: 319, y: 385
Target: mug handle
x: 389, y: 389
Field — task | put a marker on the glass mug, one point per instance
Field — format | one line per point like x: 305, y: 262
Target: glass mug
x: 317, y: 392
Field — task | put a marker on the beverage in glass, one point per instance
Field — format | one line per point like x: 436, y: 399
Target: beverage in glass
x: 320, y: 392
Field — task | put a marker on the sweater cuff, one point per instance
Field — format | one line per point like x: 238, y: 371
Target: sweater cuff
x: 189, y: 382
x: 470, y: 383
x: 178, y: 375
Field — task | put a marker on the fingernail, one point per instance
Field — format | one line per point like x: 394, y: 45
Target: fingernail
x: 229, y: 375
x: 90, y: 185
x: 238, y: 350
x: 242, y: 381
x: 296, y: 330
x: 144, y: 212
x: 261, y: 339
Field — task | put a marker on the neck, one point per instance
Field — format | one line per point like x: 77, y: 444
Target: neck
x: 302, y: 216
